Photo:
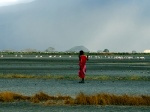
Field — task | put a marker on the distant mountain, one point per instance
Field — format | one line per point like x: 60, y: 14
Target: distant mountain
x: 78, y: 48
x: 50, y: 49
x: 8, y: 50
x: 29, y: 50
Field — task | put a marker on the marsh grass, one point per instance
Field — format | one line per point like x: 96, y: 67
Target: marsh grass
x: 80, y: 99
x: 111, y: 99
x: 74, y: 77
x: 11, y: 96
x: 24, y: 76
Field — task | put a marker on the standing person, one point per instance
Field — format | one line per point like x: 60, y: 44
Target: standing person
x: 82, y: 64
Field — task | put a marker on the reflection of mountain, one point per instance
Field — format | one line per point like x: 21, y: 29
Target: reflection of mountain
x: 78, y: 48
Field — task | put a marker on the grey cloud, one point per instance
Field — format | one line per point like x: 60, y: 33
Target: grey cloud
x: 118, y: 26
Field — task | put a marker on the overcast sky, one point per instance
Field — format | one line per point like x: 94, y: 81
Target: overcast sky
x: 118, y: 25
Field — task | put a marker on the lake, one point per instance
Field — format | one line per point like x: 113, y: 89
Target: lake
x: 108, y: 74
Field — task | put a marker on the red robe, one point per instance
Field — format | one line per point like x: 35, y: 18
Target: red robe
x: 82, y: 65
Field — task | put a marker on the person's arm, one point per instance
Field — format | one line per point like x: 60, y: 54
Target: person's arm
x: 87, y: 57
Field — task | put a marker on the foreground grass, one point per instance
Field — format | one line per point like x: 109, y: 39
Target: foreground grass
x: 80, y: 99
x: 74, y: 77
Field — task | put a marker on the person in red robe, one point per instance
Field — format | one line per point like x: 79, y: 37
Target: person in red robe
x: 82, y: 65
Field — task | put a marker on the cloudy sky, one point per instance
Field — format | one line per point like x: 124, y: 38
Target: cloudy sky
x: 118, y: 25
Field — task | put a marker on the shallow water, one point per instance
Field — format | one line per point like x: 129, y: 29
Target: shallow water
x: 27, y: 107
x: 72, y: 87
x: 69, y: 66
x: 30, y: 65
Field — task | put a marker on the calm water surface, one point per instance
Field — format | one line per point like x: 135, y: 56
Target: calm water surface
x: 66, y: 65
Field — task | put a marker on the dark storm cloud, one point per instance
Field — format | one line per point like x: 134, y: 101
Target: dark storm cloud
x: 62, y: 24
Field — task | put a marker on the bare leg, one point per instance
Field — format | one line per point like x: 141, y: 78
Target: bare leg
x: 82, y: 81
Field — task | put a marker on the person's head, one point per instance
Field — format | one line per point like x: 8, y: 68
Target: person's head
x: 81, y: 52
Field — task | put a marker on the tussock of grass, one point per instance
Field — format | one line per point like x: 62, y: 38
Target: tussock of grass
x: 80, y: 99
x: 111, y: 99
x: 74, y: 77
x: 10, y: 97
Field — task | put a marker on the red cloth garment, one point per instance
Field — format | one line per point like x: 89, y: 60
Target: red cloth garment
x: 82, y: 65
x: 82, y: 72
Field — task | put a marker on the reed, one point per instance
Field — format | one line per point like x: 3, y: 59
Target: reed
x: 80, y: 99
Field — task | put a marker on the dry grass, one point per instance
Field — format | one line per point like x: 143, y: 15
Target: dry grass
x: 80, y: 99
x: 37, y: 98
x: 10, y: 97
x: 111, y: 99
x: 42, y: 97
x: 74, y: 77
x: 24, y: 76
